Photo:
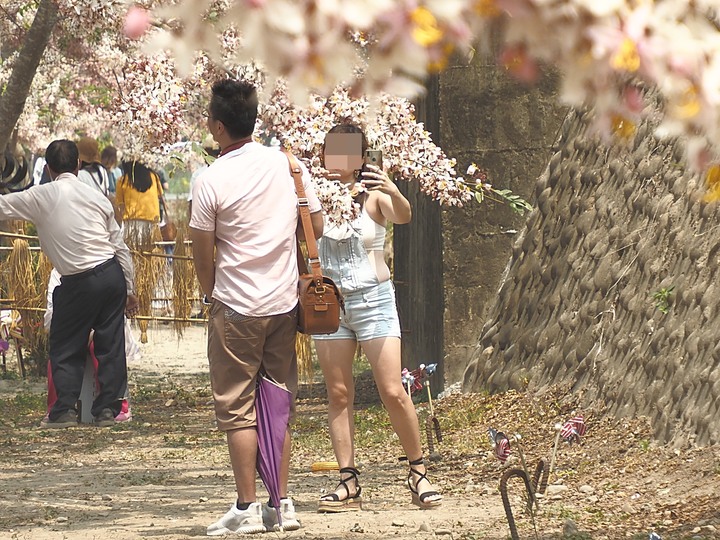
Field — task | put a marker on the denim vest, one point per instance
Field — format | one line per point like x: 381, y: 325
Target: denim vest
x: 346, y: 261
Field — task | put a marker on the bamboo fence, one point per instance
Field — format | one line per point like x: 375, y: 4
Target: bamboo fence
x: 161, y: 278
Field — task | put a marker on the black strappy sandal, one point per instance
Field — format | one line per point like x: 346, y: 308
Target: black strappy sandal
x: 418, y: 499
x: 332, y: 501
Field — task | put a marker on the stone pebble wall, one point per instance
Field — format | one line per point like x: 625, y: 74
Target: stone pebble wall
x: 611, y: 227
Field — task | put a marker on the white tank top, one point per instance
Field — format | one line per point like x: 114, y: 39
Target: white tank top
x: 373, y: 234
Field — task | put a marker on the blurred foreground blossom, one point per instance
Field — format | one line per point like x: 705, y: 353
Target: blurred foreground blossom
x: 137, y: 22
x: 602, y: 49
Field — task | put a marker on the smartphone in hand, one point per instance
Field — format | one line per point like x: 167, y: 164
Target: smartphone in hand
x: 374, y: 157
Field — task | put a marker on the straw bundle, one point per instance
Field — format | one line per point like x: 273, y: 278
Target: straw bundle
x: 140, y: 237
x: 44, y: 268
x: 304, y: 351
x: 303, y: 342
x: 24, y: 284
x: 41, y: 338
x: 20, y: 274
x: 184, y: 283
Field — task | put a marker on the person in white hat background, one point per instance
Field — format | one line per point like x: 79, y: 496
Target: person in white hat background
x: 91, y: 170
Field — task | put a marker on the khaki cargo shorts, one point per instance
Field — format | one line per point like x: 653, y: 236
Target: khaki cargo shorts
x: 239, y: 348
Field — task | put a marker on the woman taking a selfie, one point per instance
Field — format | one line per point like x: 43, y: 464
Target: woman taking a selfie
x: 352, y: 254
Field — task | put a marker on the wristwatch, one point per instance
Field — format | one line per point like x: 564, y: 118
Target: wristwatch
x: 206, y: 301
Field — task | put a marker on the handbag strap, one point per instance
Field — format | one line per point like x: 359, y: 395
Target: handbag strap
x: 162, y: 199
x: 304, y: 209
x: 165, y: 210
x: 99, y: 180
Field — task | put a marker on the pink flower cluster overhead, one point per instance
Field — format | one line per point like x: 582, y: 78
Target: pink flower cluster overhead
x: 603, y: 48
x: 95, y: 79
x: 390, y: 126
x: 149, y: 111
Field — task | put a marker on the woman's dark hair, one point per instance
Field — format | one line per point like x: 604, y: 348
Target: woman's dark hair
x: 137, y: 174
x: 62, y: 156
x: 235, y: 104
x: 347, y: 127
x: 109, y: 157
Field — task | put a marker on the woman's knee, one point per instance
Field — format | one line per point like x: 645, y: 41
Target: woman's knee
x: 394, y: 397
x: 340, y: 395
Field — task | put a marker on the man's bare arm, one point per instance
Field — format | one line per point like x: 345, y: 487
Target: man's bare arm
x: 203, y: 247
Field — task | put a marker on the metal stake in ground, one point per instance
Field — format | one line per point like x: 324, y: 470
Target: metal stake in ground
x: 558, y: 427
x: 432, y: 425
x: 531, y: 490
x: 414, y: 381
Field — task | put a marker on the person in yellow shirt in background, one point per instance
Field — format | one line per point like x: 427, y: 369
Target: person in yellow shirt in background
x: 137, y: 195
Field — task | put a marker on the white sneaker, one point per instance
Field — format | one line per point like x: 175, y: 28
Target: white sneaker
x: 248, y: 521
x: 287, y: 512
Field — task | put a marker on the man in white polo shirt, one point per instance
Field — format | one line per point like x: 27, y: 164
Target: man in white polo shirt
x: 243, y: 227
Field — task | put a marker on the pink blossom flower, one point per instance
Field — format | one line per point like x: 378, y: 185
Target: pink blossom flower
x: 137, y: 22
x: 518, y: 62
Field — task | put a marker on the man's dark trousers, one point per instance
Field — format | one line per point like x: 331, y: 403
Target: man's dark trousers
x: 92, y: 300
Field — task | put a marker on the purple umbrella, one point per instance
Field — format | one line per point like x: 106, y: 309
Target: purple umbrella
x: 272, y: 407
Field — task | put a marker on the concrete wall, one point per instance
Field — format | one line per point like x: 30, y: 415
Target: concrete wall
x: 509, y: 129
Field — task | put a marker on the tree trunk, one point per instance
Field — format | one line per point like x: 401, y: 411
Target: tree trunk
x: 12, y: 101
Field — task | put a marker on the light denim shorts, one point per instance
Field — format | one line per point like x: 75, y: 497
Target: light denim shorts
x: 369, y: 314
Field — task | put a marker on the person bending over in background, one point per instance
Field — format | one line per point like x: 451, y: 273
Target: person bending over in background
x: 78, y: 233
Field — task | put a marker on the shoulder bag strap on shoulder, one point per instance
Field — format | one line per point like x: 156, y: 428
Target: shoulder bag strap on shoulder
x: 91, y: 169
x: 304, y: 211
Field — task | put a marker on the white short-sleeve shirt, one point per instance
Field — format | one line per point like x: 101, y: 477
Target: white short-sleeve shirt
x: 97, y: 179
x: 247, y: 197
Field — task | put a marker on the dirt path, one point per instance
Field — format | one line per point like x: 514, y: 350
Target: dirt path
x: 166, y: 475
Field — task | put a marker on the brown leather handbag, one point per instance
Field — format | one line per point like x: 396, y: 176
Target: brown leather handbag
x: 319, y: 299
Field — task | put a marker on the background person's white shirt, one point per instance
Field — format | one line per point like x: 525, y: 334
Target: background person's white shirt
x: 97, y: 179
x: 38, y: 170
